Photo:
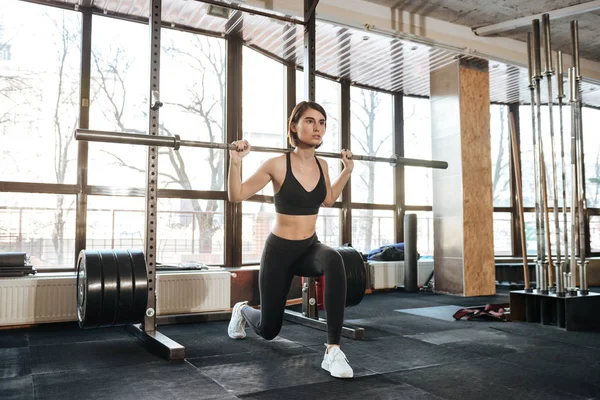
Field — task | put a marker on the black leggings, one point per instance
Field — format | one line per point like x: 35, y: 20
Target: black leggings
x: 281, y: 260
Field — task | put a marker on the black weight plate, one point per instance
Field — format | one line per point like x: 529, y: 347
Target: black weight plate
x: 89, y: 289
x: 140, y: 284
x: 124, y: 313
x: 110, y: 299
x: 355, y: 275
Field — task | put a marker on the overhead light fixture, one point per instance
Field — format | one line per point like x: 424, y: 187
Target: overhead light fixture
x: 218, y: 11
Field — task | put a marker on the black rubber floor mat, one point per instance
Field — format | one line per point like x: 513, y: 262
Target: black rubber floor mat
x: 14, y: 362
x: 89, y: 356
x: 157, y: 380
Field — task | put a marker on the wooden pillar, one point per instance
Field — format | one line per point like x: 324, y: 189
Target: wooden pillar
x: 462, y: 194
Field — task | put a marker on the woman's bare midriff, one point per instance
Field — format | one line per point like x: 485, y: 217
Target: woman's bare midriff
x: 294, y: 227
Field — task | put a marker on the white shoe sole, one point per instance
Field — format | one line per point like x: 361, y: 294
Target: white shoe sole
x: 325, y: 366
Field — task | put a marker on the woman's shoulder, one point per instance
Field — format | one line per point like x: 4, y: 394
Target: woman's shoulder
x: 275, y: 162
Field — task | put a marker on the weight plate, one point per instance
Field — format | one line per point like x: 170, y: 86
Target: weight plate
x: 89, y: 289
x: 110, y: 289
x: 124, y: 314
x: 140, y: 284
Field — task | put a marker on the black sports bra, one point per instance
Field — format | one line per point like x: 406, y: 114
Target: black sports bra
x: 293, y: 199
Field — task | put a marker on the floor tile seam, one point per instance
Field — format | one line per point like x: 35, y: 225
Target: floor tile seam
x: 433, y: 365
x: 549, y: 338
x: 67, y: 371
x: 128, y: 339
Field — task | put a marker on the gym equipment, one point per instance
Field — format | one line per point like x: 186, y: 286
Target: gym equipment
x: 112, y: 287
x: 312, y: 294
x: 175, y: 143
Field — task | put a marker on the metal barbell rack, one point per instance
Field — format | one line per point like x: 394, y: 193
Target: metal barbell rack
x: 175, y: 143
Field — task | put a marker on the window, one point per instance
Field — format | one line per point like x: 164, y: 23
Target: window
x: 257, y: 222
x: 417, y: 144
x: 193, y: 88
x: 527, y: 156
x: 591, y: 141
x: 118, y: 100
x: 191, y: 230
x: 39, y: 93
x: 115, y: 222
x: 372, y: 134
x: 41, y: 225
x: 595, y: 233
x: 424, y: 232
x: 264, y: 109
x: 502, y: 234
x: 501, y: 156
x: 372, y: 229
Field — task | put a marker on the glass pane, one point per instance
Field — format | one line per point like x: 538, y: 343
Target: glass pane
x: 372, y: 134
x: 115, y: 222
x: 119, y: 100
x: 417, y: 144
x: 501, y: 154
x: 193, y: 78
x: 191, y: 230
x: 372, y: 229
x: 502, y: 234
x: 595, y: 233
x: 328, y: 226
x: 591, y: 141
x: 263, y: 108
x: 527, y: 167
x: 41, y: 225
x: 531, y: 233
x: 39, y: 92
x: 258, y: 220
x: 424, y: 232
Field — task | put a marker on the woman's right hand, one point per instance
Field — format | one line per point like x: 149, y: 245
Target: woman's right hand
x: 243, y: 148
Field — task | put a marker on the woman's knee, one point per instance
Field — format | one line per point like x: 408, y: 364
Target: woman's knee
x: 270, y: 332
x: 332, y: 261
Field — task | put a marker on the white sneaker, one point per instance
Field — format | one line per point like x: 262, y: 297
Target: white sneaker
x: 336, y: 363
x: 237, y: 324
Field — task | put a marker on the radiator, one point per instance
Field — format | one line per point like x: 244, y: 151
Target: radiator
x: 32, y: 300
x: 390, y: 274
x: 183, y: 293
x: 35, y: 299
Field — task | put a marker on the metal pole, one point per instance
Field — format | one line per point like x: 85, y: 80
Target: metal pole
x: 517, y: 169
x: 539, y: 237
x: 561, y: 95
x: 549, y: 72
x: 310, y: 307
x: 574, y: 202
x: 544, y: 222
x: 580, y: 165
x: 175, y: 142
x: 147, y: 332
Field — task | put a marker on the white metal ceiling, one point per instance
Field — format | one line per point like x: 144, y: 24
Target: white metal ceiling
x: 361, y: 56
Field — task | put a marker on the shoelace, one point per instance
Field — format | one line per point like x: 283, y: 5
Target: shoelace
x: 337, y: 353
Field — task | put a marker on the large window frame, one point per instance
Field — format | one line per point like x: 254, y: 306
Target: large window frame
x: 232, y: 212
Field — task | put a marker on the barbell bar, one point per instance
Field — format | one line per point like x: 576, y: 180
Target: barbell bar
x: 175, y: 143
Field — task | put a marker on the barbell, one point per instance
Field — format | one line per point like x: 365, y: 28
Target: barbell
x: 112, y: 285
x: 175, y: 143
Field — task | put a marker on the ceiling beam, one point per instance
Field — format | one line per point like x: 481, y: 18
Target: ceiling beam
x: 526, y: 21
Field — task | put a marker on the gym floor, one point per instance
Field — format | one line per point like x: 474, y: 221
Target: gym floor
x: 418, y: 353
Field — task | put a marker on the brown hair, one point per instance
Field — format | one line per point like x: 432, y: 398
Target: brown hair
x: 295, y: 117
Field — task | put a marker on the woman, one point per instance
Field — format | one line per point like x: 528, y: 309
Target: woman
x: 301, y: 184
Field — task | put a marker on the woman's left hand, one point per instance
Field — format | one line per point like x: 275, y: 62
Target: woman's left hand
x: 347, y: 160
